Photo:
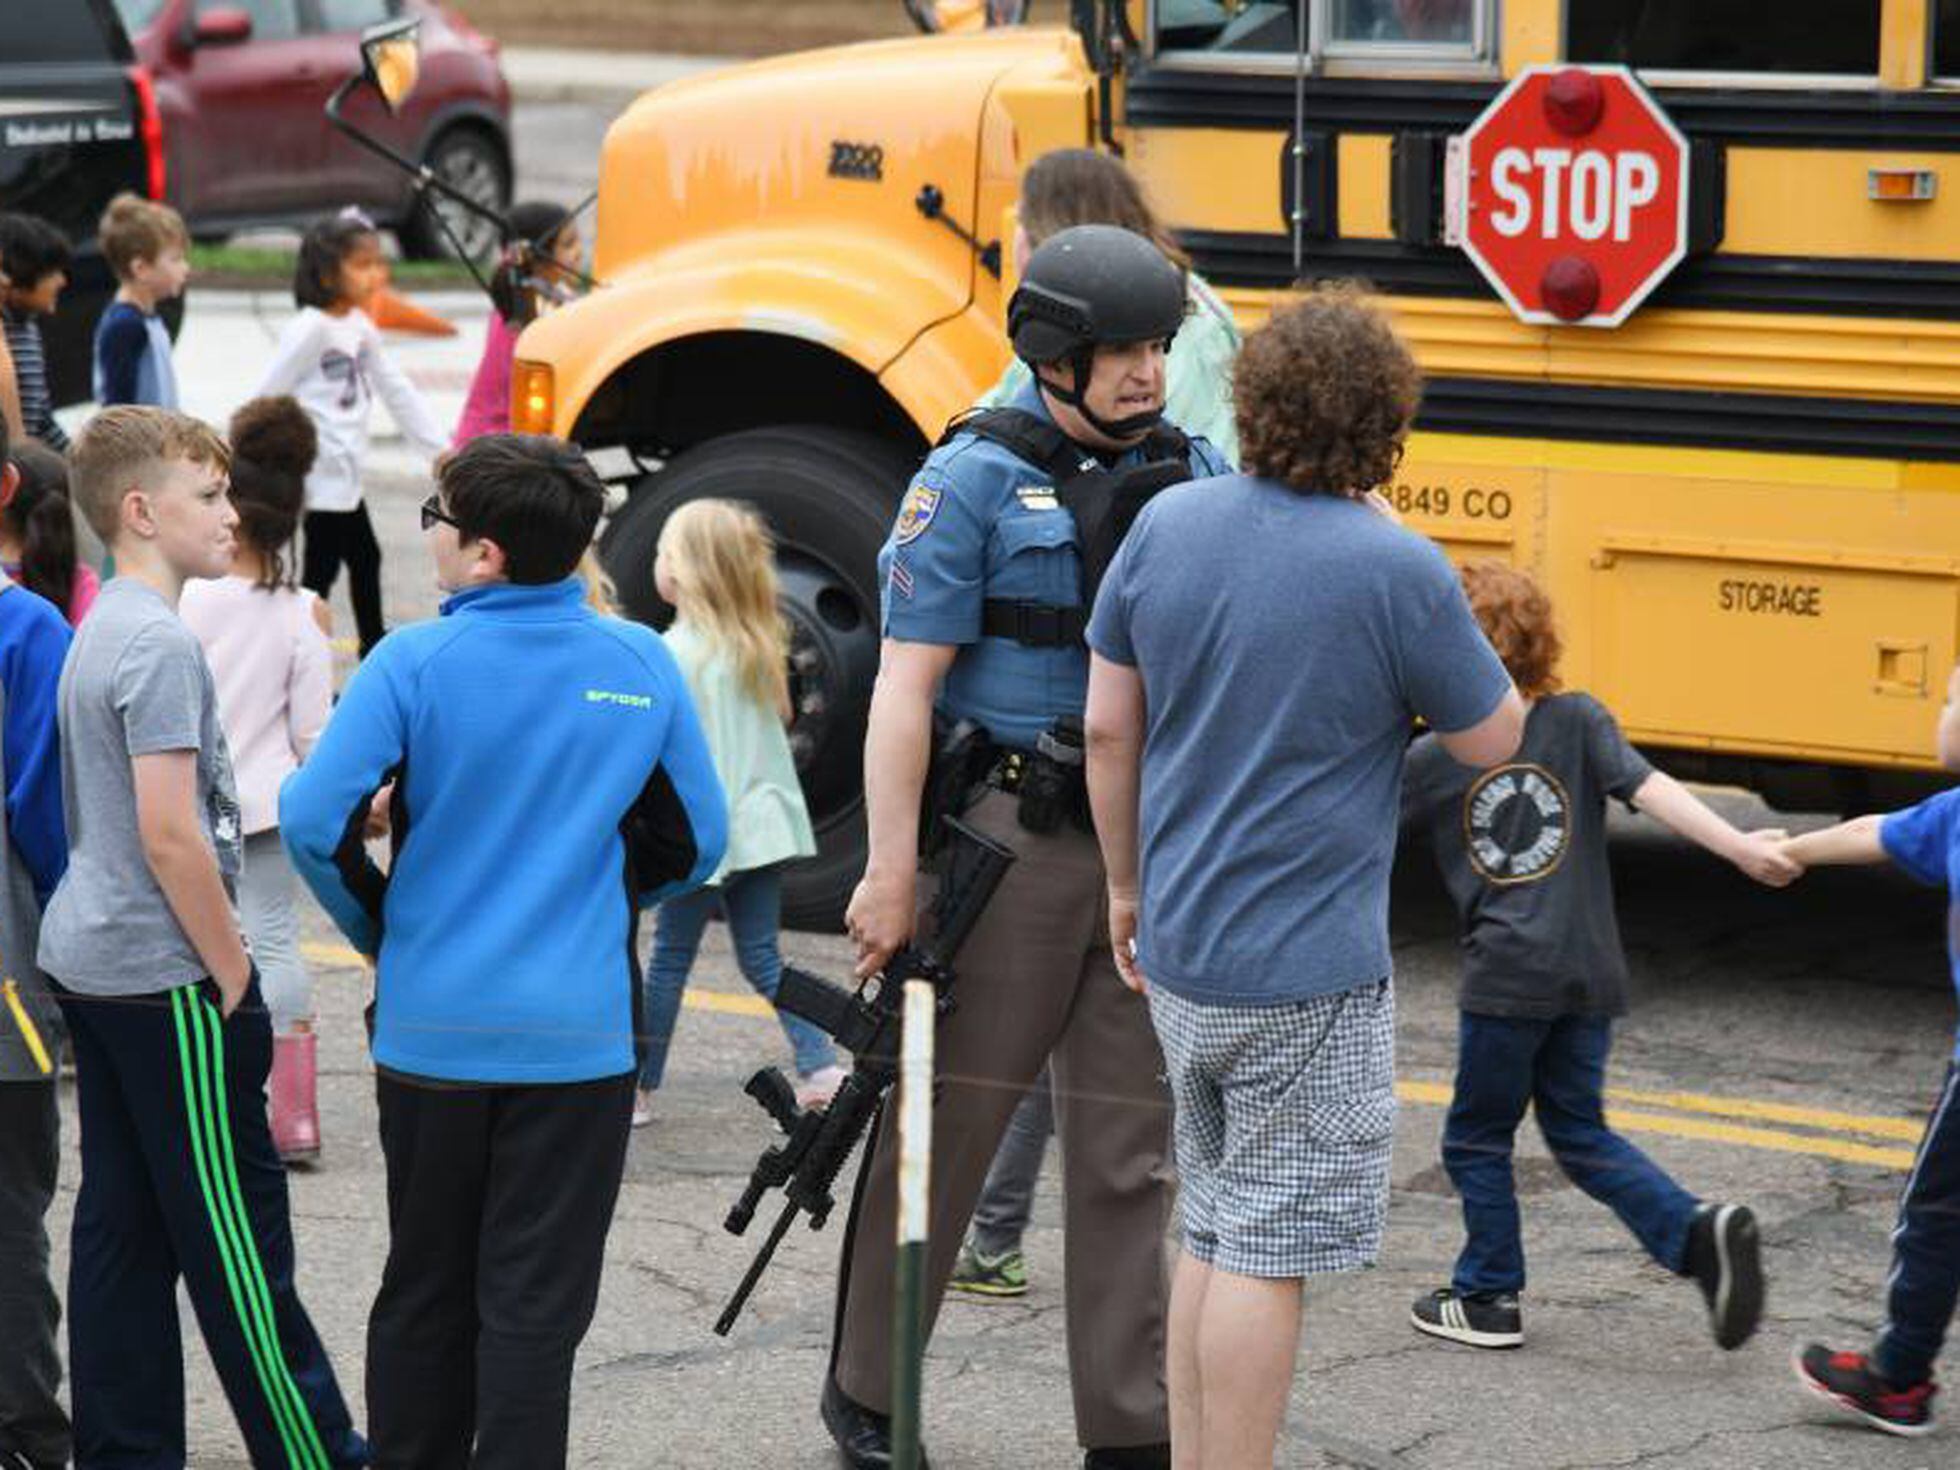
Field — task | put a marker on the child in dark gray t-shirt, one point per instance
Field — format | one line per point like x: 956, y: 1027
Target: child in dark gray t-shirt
x: 1522, y: 850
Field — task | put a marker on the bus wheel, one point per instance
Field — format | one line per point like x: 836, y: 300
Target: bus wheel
x: 829, y: 496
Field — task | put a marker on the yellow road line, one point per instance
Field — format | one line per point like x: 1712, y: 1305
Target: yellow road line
x: 1907, y: 1129
x: 1774, y: 1139
x: 727, y: 1002
x: 1707, y: 1128
x: 343, y: 957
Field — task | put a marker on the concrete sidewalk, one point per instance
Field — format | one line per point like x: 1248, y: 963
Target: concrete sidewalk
x: 227, y: 342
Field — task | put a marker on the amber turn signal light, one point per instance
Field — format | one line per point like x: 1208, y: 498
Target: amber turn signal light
x: 1901, y: 185
x: 532, y: 397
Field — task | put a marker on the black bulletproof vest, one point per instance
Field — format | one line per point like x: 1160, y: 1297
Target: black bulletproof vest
x: 1103, y: 502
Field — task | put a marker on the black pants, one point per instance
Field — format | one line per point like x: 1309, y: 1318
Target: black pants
x: 499, y: 1200
x: 31, y: 1421
x: 336, y: 536
x: 180, y: 1178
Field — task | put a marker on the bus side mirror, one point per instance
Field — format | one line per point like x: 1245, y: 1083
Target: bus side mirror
x: 391, y: 54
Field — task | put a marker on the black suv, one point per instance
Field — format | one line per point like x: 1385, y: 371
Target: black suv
x: 78, y: 125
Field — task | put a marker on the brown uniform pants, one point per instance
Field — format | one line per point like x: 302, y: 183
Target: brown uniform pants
x: 1036, y: 983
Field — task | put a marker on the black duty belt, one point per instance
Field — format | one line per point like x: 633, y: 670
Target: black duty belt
x: 1036, y: 624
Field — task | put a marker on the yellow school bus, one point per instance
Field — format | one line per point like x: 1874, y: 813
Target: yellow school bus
x: 1745, y: 497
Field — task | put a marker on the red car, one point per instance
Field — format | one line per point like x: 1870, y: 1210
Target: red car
x: 240, y: 85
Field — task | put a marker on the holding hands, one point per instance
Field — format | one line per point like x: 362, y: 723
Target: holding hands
x: 1765, y: 856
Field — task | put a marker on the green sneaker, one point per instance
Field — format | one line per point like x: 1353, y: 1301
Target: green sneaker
x: 1003, y: 1275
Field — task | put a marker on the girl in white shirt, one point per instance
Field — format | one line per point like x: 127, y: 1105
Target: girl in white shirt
x: 266, y: 641
x: 331, y: 358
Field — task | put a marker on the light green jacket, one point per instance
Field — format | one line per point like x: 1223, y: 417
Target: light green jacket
x: 767, y: 820
x: 1199, y: 373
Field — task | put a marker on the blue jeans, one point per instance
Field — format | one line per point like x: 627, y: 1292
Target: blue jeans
x: 752, y: 902
x: 1925, y: 1281
x: 1559, y: 1066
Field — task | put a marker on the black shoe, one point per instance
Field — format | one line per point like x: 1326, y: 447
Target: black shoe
x: 864, y: 1436
x: 1130, y: 1457
x: 1847, y: 1380
x: 1480, y: 1319
x: 1725, y: 1257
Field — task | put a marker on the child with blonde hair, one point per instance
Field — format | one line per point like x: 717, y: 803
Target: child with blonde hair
x: 716, y: 566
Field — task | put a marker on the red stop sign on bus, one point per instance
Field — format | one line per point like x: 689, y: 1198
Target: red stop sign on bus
x: 1570, y: 193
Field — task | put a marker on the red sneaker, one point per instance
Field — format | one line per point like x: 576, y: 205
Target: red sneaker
x: 1848, y: 1381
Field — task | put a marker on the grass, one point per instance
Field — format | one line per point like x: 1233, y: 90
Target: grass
x: 239, y: 265
x: 701, y: 27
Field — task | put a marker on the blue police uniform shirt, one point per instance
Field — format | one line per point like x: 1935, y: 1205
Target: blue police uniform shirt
x: 1925, y: 841
x: 979, y: 522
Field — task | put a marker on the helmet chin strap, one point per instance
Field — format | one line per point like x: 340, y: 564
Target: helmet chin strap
x: 1129, y: 428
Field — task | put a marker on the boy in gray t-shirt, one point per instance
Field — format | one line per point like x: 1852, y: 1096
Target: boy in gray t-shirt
x: 172, y: 1042
x: 1522, y: 849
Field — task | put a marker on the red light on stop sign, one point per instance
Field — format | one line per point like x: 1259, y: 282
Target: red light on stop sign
x: 1570, y: 194
x: 1574, y: 100
x: 1570, y: 287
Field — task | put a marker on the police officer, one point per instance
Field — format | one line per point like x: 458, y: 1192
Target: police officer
x: 988, y: 579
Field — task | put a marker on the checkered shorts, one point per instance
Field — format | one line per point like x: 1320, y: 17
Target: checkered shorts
x: 1285, y: 1119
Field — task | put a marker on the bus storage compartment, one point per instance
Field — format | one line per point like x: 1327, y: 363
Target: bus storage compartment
x: 1776, y: 648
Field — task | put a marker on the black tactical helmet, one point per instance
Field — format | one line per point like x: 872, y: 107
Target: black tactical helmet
x: 1090, y: 285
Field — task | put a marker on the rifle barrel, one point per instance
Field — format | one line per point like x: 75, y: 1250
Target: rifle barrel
x: 726, y: 1321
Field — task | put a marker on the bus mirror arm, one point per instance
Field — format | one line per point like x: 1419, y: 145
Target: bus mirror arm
x: 425, y: 179
x: 1107, y: 40
x: 931, y: 202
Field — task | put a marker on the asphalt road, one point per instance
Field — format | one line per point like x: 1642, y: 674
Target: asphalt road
x: 1783, y: 1050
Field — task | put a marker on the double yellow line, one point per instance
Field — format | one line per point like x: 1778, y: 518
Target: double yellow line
x: 1852, y: 1138
x: 1739, y: 1120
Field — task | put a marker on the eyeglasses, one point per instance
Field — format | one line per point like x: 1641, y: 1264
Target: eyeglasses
x: 433, y: 512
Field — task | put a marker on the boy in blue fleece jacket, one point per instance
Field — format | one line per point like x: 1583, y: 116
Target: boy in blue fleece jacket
x: 550, y: 780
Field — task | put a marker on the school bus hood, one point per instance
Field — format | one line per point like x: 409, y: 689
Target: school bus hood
x: 823, y: 145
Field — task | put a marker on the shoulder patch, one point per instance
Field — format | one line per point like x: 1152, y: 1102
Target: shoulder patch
x: 915, y: 513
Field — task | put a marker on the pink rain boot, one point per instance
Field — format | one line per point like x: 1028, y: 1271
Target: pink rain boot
x: 295, y: 1111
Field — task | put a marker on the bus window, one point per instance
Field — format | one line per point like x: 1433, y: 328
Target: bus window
x: 1261, y: 27
x: 1444, y: 24
x: 1946, y: 41
x: 1419, y: 30
x: 1824, y: 37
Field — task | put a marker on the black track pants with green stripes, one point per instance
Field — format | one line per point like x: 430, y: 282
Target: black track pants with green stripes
x: 180, y: 1178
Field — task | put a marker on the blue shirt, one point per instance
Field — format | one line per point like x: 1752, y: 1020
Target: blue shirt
x: 1925, y: 841
x: 34, y: 640
x: 132, y: 358
x: 551, y: 779
x: 1286, y: 642
x: 979, y: 522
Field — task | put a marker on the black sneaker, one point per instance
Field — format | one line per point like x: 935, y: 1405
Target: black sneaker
x: 1482, y: 1319
x: 1725, y: 1257
x: 1847, y: 1380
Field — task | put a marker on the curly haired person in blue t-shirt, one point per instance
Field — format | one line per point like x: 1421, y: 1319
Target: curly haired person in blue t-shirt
x: 1891, y: 1387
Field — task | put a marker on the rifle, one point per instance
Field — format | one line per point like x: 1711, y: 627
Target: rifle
x: 865, y: 1022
